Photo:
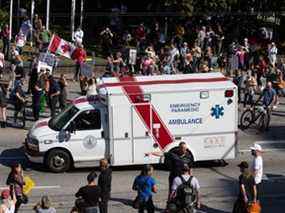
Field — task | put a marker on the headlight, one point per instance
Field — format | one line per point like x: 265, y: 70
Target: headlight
x: 48, y: 141
x: 33, y: 141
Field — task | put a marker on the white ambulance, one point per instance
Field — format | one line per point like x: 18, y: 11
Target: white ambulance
x: 132, y: 116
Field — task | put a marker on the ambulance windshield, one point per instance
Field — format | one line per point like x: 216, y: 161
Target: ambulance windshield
x: 60, y: 120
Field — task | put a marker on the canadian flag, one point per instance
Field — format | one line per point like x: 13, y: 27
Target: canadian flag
x: 61, y: 47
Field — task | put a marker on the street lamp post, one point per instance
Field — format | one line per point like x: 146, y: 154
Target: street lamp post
x: 72, y: 17
x: 47, y: 15
x: 81, y: 13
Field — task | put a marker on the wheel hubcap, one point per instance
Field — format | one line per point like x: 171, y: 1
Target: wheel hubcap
x: 58, y: 161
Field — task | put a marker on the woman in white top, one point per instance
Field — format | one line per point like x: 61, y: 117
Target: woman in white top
x: 8, y: 204
x: 91, y: 90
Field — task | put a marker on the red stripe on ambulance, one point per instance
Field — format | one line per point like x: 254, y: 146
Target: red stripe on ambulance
x: 129, y: 82
x: 135, y: 95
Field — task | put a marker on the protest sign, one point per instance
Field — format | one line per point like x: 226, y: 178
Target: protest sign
x: 48, y: 58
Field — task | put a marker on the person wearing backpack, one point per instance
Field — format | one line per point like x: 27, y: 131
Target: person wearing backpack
x: 185, y: 192
x: 145, y: 185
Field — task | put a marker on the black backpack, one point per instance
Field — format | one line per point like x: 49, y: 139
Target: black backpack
x: 185, y: 194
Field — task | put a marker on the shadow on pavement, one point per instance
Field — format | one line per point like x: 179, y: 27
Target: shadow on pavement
x: 9, y: 157
x: 206, y: 209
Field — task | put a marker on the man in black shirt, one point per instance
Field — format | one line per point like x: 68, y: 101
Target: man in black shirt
x: 175, y: 161
x: 104, y: 181
x: 90, y: 194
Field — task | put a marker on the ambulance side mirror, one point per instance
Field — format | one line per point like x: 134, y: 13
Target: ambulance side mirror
x: 72, y: 127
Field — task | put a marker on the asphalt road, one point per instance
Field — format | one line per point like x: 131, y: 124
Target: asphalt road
x: 218, y: 183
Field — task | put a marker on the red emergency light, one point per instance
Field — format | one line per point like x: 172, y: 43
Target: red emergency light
x: 229, y: 93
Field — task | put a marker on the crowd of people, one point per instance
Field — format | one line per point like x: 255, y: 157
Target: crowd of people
x: 252, y: 62
x: 184, y: 188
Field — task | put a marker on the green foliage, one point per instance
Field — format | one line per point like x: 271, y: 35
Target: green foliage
x: 4, y: 17
x: 190, y: 7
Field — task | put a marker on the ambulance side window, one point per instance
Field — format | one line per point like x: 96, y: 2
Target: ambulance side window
x: 87, y: 120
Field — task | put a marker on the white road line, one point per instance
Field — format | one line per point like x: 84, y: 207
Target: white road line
x: 264, y: 143
x: 264, y: 150
x: 37, y: 187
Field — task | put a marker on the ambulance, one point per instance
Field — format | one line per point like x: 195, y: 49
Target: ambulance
x: 132, y: 116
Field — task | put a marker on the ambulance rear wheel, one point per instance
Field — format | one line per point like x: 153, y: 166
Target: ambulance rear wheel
x: 58, y: 161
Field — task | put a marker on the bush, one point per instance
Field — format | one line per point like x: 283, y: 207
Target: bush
x: 4, y: 17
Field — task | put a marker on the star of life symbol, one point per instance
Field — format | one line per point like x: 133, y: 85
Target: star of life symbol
x: 89, y: 142
x: 217, y: 111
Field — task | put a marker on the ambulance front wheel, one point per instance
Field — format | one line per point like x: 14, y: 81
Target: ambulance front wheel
x: 58, y: 161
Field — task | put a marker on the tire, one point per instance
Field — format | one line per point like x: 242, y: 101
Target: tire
x: 58, y: 161
x: 246, y: 119
x: 263, y: 122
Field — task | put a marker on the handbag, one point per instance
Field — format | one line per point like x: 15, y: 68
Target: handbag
x: 254, y: 207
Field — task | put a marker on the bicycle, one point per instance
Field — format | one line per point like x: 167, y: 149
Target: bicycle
x: 259, y: 114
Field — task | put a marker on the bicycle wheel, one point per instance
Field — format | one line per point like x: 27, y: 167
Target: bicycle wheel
x: 263, y: 122
x: 23, y: 119
x: 246, y: 119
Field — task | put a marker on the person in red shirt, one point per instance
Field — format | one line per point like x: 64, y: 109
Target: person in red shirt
x: 79, y: 55
x: 5, y: 38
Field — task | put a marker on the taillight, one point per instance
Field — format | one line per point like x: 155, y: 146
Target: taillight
x: 229, y: 93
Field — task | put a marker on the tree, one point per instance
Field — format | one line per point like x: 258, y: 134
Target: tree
x: 194, y: 7
x: 4, y: 17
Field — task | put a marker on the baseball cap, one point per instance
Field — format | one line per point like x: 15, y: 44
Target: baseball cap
x: 5, y: 194
x: 243, y: 164
x: 256, y: 147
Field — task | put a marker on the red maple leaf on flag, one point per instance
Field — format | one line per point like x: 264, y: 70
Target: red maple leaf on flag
x: 65, y: 48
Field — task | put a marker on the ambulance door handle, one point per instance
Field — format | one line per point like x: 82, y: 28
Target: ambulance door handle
x: 126, y: 135
x: 146, y: 133
x: 102, y: 134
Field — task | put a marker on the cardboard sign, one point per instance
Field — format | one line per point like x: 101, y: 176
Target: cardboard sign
x: 48, y: 58
x: 44, y: 66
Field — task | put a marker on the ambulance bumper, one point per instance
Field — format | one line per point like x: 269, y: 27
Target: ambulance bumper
x: 33, y: 156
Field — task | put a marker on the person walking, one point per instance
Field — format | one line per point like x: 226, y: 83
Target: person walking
x: 8, y: 201
x: 145, y: 185
x: 89, y: 195
x: 175, y: 161
x: 16, y: 183
x: 104, y: 181
x: 3, y: 108
x: 63, y: 91
x: 5, y: 39
x: 44, y: 206
x: 19, y: 100
x: 53, y: 94
x: 185, y: 200
x: 37, y: 92
x: 79, y: 55
x: 257, y: 166
x: 247, y: 189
